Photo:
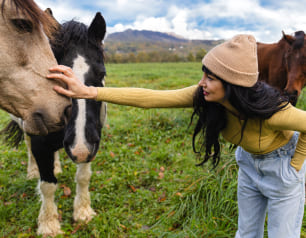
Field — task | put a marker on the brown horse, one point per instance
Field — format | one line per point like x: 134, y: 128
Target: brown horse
x: 283, y: 64
x: 25, y: 59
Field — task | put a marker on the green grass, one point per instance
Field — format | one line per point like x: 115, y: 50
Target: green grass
x: 144, y: 183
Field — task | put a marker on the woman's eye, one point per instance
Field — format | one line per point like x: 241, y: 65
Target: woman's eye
x: 22, y: 25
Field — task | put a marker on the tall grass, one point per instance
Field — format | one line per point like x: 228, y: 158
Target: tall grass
x: 144, y: 183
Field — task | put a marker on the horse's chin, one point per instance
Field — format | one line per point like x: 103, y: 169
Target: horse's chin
x: 39, y: 123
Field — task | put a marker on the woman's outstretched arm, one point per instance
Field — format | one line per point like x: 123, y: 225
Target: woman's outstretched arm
x: 137, y: 97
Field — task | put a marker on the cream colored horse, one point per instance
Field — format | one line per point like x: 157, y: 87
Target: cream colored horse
x: 25, y: 59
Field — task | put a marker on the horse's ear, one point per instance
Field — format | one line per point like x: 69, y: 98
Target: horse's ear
x: 299, y: 39
x: 49, y: 12
x: 97, y: 28
x: 288, y: 38
x: 55, y: 25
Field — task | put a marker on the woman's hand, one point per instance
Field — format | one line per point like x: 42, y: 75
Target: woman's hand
x: 75, y: 88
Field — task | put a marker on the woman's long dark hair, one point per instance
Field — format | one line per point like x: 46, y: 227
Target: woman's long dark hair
x: 260, y: 101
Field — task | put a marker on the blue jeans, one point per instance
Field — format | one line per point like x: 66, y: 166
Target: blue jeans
x: 269, y: 184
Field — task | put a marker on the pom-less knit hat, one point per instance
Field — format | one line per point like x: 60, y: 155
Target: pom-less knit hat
x: 235, y: 60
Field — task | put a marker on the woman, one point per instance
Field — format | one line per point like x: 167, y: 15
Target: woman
x: 270, y: 133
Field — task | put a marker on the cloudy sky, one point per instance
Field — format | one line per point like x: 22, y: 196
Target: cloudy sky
x: 192, y: 19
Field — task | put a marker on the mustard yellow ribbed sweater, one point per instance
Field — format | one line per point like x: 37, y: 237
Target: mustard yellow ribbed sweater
x: 275, y: 132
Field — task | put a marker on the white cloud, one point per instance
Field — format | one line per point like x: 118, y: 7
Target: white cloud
x: 217, y: 19
x: 128, y: 10
x: 67, y: 10
x: 266, y: 23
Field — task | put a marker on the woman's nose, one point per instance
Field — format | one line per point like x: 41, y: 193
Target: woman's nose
x: 202, y: 81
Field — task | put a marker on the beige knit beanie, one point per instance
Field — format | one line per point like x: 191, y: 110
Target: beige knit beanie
x: 234, y: 61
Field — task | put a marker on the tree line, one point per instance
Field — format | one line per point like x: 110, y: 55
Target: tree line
x: 154, y: 56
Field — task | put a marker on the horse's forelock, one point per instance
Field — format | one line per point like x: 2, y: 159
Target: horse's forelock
x: 74, y: 31
x: 299, y: 40
x: 32, y: 11
x: 71, y: 31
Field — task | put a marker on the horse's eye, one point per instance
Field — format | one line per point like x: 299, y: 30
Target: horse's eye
x: 22, y: 25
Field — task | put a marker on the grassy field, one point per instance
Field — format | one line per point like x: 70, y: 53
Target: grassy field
x: 144, y: 183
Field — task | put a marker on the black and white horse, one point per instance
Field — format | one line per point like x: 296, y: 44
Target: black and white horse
x: 79, y: 47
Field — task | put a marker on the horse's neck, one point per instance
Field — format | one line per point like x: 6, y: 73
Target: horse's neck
x: 271, y: 63
x: 271, y: 55
x: 268, y: 51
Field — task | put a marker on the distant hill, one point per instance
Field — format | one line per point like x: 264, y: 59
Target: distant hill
x: 143, y: 36
x: 164, y: 46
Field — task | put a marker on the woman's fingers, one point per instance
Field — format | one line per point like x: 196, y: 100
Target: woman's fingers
x: 63, y: 69
x: 63, y: 91
x: 62, y: 73
x: 75, y: 88
x: 61, y: 77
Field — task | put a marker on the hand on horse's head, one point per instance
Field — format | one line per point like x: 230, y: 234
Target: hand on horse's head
x: 75, y: 88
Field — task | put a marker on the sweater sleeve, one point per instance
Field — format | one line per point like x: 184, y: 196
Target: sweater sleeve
x: 294, y: 119
x: 148, y: 98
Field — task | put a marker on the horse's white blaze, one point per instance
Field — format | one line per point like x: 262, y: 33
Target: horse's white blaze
x: 79, y: 148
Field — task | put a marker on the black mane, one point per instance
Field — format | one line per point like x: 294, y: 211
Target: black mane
x: 72, y: 33
x: 299, y: 42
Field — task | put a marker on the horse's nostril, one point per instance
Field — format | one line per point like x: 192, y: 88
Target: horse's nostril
x: 67, y: 113
x: 38, y: 118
